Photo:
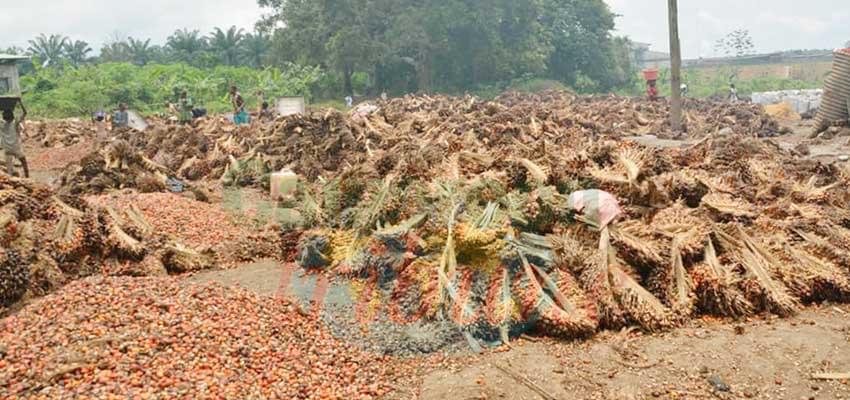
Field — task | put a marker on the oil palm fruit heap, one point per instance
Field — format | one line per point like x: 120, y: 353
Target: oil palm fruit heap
x: 49, y: 239
x: 458, y: 210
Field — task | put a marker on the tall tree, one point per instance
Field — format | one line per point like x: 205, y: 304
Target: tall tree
x: 50, y: 49
x: 186, y: 46
x: 255, y: 48
x: 140, y: 51
x: 77, y: 52
x: 316, y: 32
x: 448, y: 44
x: 115, y: 50
x: 226, y: 45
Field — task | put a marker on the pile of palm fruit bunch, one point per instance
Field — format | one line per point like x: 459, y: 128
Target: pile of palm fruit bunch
x: 59, y: 133
x: 326, y: 143
x: 117, y: 165
x: 49, y: 239
x: 460, y: 210
x: 120, y: 165
x: 152, y: 161
x: 631, y: 116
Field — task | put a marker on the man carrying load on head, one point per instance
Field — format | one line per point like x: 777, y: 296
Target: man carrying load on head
x: 11, y: 140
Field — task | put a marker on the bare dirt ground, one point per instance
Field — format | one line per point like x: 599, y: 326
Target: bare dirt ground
x: 769, y: 359
x: 761, y: 358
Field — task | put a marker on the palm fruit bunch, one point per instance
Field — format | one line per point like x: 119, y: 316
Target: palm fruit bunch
x: 14, y: 277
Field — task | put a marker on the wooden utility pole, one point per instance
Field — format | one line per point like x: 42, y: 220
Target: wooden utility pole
x: 675, y: 67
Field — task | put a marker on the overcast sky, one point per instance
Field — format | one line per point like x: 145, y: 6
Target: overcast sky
x: 96, y: 21
x: 774, y: 24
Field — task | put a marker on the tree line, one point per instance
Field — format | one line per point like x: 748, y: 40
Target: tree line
x: 229, y: 47
x: 366, y: 47
x: 451, y: 45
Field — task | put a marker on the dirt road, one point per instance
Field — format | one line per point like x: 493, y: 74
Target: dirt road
x: 772, y: 359
x: 763, y: 358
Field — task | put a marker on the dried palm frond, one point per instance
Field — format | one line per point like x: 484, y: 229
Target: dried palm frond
x: 759, y: 265
x: 117, y: 239
x: 679, y: 288
x: 594, y: 278
x: 682, y: 185
x: 636, y: 243
x: 536, y: 172
x: 825, y: 248
x: 716, y: 287
x: 678, y: 221
x: 826, y: 280
x: 180, y: 259
x: 633, y: 160
x: 637, y: 303
x: 572, y: 250
x: 810, y: 192
x: 728, y: 206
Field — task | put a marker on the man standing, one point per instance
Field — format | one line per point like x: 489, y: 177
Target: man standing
x: 11, y: 140
x: 733, y: 93
x: 184, y: 109
x: 240, y: 116
x: 121, y: 119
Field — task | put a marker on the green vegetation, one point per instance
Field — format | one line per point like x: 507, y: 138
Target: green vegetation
x: 66, y: 92
x: 704, y: 85
x: 450, y: 46
x: 327, y: 49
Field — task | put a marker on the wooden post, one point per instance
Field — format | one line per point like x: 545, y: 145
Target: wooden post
x: 675, y: 67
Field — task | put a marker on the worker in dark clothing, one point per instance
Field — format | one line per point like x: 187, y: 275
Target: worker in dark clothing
x: 121, y: 119
x: 184, y: 109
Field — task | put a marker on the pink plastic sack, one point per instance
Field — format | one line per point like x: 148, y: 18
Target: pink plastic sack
x: 598, y: 208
